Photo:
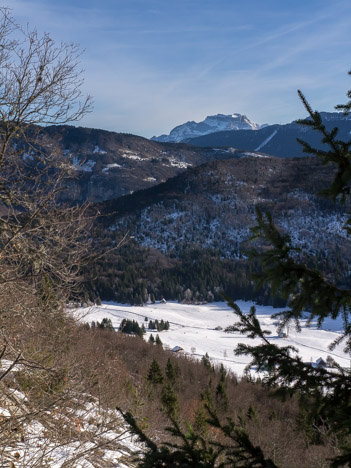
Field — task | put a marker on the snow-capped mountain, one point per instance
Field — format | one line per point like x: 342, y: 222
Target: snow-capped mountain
x: 212, y: 124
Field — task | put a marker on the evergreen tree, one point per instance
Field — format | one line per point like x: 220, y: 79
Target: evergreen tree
x: 206, y: 361
x: 171, y: 372
x: 223, y: 373
x: 98, y: 301
x: 193, y: 449
x: 132, y: 327
x: 155, y: 374
x: 158, y: 340
x: 200, y: 421
x: 137, y: 329
x: 151, y: 339
x: 169, y: 400
x: 221, y: 395
x: 105, y: 324
x: 126, y: 326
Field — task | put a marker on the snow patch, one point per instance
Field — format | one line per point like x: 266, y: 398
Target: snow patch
x: 132, y: 155
x: 27, y: 156
x: 267, y: 140
x: 97, y: 150
x: 111, y: 166
x: 93, y: 430
x: 87, y: 166
x: 255, y: 155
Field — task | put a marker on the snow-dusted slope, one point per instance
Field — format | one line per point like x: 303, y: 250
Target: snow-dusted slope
x: 79, y: 434
x: 212, y: 124
x: 213, y: 206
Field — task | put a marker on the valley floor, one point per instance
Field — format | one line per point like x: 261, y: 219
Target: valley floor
x: 193, y: 328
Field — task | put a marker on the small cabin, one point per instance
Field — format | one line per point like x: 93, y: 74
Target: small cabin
x: 318, y: 364
x: 321, y: 363
x: 177, y: 349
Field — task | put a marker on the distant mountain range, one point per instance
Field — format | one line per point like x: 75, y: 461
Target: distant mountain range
x: 107, y: 165
x: 276, y: 140
x: 212, y: 124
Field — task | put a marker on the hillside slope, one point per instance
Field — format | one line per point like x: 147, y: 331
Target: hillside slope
x: 213, y: 206
x: 107, y: 165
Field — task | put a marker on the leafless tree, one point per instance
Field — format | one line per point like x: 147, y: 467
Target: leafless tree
x: 43, y: 244
x: 40, y: 84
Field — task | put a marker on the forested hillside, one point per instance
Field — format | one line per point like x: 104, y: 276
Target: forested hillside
x: 106, y: 165
x: 192, y: 232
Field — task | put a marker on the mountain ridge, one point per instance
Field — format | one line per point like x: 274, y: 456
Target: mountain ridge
x: 211, y: 124
x: 276, y: 140
x: 185, y: 211
x: 107, y: 165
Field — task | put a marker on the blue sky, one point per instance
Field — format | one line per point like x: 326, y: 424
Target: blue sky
x: 154, y: 64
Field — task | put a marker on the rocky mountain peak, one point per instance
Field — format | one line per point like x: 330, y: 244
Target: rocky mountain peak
x: 211, y: 124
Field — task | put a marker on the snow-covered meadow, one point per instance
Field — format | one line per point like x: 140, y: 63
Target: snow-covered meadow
x: 193, y: 328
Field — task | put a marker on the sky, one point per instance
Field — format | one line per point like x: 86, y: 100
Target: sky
x: 153, y: 64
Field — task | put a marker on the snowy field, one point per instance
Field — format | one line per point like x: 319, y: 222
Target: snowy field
x: 193, y: 327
